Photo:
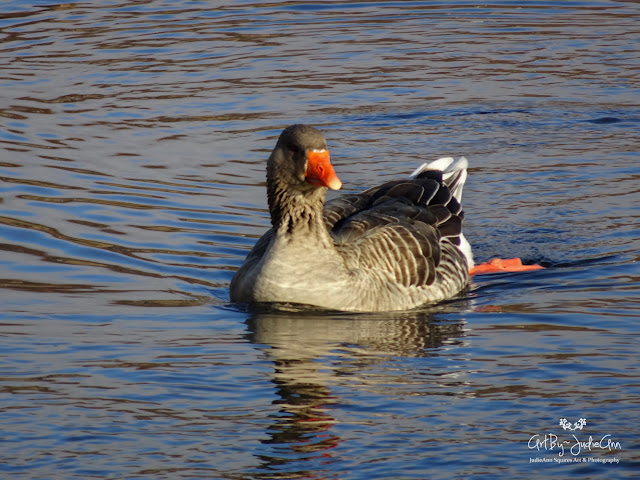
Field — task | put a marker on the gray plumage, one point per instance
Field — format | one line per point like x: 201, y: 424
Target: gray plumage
x: 393, y: 247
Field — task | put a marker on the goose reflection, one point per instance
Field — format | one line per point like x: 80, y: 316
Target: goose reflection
x: 313, y: 351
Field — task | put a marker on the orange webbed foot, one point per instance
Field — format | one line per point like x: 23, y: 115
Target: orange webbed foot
x: 503, y: 265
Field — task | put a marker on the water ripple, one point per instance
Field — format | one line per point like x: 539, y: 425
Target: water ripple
x: 133, y: 138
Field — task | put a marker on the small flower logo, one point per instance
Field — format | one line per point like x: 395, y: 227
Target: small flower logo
x: 575, y: 426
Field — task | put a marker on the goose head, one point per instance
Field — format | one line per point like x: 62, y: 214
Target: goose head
x: 300, y: 161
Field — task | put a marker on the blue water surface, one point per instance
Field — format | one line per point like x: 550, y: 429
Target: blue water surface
x: 133, y: 141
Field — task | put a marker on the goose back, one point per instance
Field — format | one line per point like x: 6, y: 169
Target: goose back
x: 410, y: 229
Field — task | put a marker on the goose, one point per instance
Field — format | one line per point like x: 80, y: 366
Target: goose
x: 396, y: 246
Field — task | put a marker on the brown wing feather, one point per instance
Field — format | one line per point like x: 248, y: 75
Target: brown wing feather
x: 402, y: 250
x: 398, y: 227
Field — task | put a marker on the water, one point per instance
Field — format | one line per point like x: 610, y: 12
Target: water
x: 133, y: 139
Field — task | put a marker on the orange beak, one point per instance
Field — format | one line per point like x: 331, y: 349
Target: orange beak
x: 320, y: 171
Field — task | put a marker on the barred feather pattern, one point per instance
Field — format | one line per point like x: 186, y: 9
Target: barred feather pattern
x: 404, y: 237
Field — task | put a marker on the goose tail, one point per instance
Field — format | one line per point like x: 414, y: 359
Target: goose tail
x: 454, y: 173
